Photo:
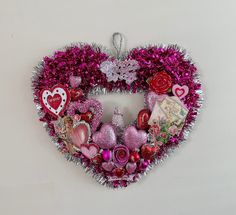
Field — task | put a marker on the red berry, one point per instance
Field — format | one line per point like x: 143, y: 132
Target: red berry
x: 87, y: 117
x: 97, y: 159
x: 134, y: 157
x: 119, y: 172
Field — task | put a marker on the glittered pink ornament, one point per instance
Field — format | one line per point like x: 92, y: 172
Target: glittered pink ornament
x: 106, y: 137
x: 106, y: 155
x: 143, y: 164
x: 134, y: 138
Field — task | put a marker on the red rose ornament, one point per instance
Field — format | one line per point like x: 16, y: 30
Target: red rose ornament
x: 160, y: 83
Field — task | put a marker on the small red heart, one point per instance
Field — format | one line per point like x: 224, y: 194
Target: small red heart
x: 148, y: 151
x: 76, y: 94
x: 54, y: 101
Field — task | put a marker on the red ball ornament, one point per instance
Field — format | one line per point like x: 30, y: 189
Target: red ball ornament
x: 87, y: 117
x: 119, y: 172
x: 142, y: 120
x: 76, y: 94
x: 148, y: 152
x: 134, y: 157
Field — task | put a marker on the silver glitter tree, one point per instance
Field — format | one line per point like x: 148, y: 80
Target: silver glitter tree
x: 117, y: 119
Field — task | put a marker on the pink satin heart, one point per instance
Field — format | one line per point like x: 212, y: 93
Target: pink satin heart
x: 80, y: 134
x: 75, y: 81
x: 89, y: 150
x: 108, y: 166
x: 151, y: 99
x: 134, y: 138
x: 106, y: 137
x: 180, y: 91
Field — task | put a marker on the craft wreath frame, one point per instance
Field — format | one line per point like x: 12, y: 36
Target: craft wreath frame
x: 101, y: 91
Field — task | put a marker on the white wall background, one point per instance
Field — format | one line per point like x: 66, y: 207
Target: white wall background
x: 199, y: 179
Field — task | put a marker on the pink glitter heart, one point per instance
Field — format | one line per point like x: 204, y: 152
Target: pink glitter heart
x: 91, y: 104
x: 106, y: 137
x: 134, y: 138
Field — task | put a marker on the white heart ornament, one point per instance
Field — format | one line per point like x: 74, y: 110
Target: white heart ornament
x: 55, y: 100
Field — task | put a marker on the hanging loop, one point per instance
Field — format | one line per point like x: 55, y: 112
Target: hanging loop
x: 118, y: 43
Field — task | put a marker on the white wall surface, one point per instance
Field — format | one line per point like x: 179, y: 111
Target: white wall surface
x: 199, y: 179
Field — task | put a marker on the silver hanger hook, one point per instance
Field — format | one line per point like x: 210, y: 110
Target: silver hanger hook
x: 118, y: 42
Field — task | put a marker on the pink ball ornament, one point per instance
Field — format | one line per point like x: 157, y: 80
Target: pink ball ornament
x: 131, y: 167
x: 106, y: 155
x: 143, y: 164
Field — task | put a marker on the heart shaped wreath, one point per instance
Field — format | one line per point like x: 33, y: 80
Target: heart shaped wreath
x: 117, y: 155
